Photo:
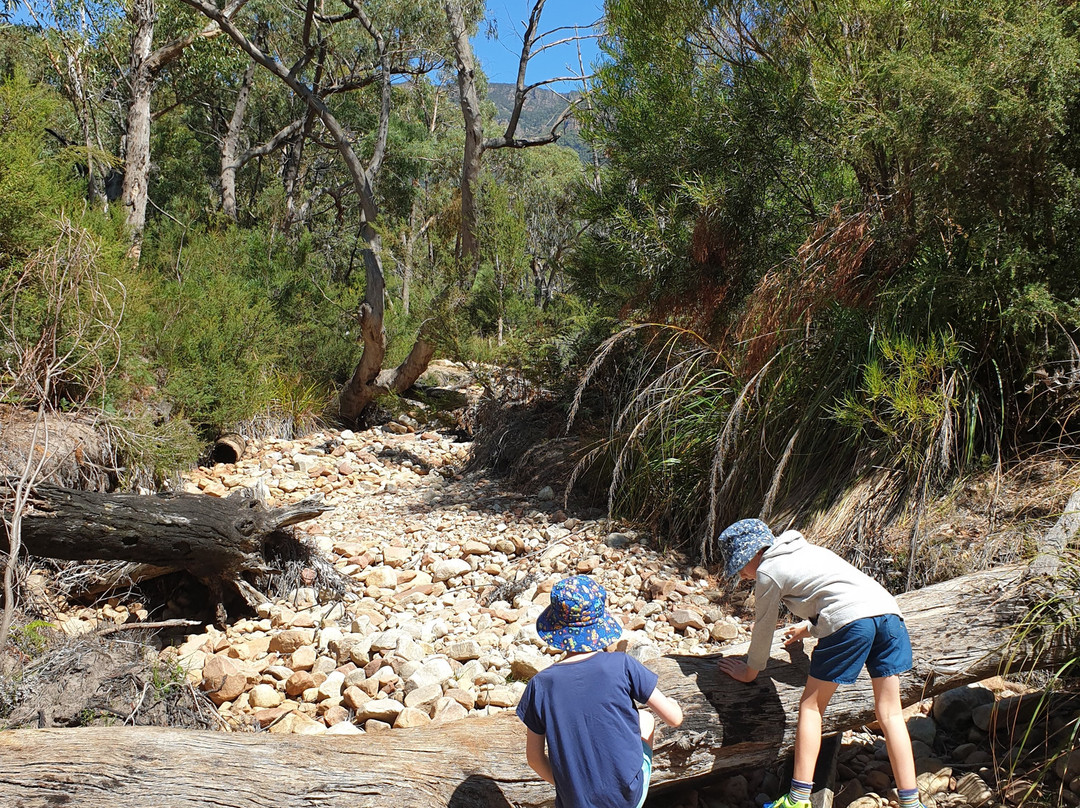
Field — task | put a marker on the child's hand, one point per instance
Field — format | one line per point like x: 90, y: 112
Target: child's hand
x: 737, y: 669
x: 796, y: 632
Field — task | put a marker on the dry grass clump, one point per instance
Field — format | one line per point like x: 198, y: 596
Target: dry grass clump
x: 48, y: 679
x: 76, y: 452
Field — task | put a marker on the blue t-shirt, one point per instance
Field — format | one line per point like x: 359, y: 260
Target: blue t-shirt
x: 585, y: 709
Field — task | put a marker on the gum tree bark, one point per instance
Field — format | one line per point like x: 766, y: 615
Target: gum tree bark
x: 230, y: 147
x: 475, y: 142
x: 146, y: 63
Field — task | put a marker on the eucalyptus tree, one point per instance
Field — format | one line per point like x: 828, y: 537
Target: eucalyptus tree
x: 107, y: 46
x: 72, y: 38
x: 333, y: 54
x: 534, y: 41
x: 146, y: 64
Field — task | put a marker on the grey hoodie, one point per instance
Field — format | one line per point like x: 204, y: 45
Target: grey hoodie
x: 816, y: 585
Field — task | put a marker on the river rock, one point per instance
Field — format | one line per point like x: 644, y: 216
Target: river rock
x: 265, y: 696
x: 222, y: 679
x: 952, y: 709
x: 527, y: 662
x: 288, y: 641
x: 922, y: 728
x: 412, y: 717
x: 385, y: 710
x: 449, y: 568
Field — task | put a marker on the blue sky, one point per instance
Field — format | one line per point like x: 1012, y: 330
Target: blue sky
x: 499, y: 57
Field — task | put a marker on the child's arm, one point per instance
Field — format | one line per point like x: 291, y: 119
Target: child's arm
x: 796, y: 632
x: 737, y: 669
x: 666, y: 707
x: 767, y: 609
x: 536, y: 754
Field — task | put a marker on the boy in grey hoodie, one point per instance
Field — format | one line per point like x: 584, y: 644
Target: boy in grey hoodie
x: 857, y: 622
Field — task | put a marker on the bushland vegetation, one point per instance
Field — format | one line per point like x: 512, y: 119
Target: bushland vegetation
x: 242, y: 296
x: 825, y: 253
x: 852, y: 227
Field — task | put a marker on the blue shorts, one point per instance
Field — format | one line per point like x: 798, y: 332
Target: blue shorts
x: 646, y: 772
x: 880, y: 643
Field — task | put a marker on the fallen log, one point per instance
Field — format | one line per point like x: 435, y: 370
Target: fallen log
x: 214, y: 539
x: 201, y: 534
x: 962, y: 631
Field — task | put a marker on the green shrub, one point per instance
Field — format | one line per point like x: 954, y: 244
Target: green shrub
x: 908, y: 402
x: 33, y: 638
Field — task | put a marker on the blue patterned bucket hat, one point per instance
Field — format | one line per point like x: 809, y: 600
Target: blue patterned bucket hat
x: 576, y: 620
x: 741, y: 542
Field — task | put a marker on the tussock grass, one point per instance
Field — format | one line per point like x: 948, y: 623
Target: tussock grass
x: 811, y: 408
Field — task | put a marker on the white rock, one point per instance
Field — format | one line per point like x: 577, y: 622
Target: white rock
x: 527, y: 662
x: 330, y: 638
x: 682, y: 619
x: 382, y: 577
x: 447, y: 709
x: 449, y: 568
x: 644, y: 653
x: 555, y: 550
x: 464, y: 650
x: 388, y: 641
x: 381, y: 710
x: 344, y: 728
x: 412, y: 717
x: 423, y: 697
x: 331, y: 688
x: 265, y: 696
x: 305, y: 463
x: 432, y: 672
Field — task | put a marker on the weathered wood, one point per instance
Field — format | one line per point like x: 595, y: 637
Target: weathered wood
x: 207, y: 536
x: 960, y: 631
x: 228, y: 448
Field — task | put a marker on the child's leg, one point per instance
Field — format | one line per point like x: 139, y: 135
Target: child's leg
x: 647, y: 723
x: 812, y: 704
x: 890, y: 716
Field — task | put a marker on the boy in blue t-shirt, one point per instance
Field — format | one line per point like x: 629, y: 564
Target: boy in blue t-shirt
x: 599, y: 746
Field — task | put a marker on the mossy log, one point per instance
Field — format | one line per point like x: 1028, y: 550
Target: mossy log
x: 962, y: 631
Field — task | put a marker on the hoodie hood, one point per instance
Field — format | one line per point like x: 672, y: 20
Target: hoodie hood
x: 786, y: 543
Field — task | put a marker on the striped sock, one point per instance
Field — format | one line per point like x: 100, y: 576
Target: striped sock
x: 800, y: 791
x: 909, y: 797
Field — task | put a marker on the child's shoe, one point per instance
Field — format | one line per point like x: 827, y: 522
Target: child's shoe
x: 786, y: 802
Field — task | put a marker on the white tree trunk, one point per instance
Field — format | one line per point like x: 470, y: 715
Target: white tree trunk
x: 230, y: 148
x: 137, y: 138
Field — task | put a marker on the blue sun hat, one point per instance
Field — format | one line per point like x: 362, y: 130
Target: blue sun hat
x: 576, y: 620
x: 741, y: 542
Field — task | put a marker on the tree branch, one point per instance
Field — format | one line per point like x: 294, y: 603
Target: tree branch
x: 360, y: 176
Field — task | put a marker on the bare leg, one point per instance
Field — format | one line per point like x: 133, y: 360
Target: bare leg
x: 648, y: 726
x: 890, y: 716
x: 815, y: 698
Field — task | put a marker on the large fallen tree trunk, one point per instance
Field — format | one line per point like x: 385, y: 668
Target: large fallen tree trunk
x: 201, y: 534
x: 215, y: 539
x: 962, y: 631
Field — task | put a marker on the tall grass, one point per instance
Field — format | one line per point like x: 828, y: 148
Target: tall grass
x: 1050, y: 635
x: 811, y: 400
